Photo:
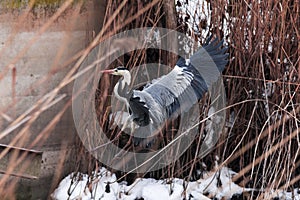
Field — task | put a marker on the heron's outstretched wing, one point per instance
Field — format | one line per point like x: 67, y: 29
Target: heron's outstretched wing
x: 181, y: 88
x: 190, y: 79
x: 177, y: 91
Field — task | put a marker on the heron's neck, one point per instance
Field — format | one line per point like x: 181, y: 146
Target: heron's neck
x: 120, y: 90
x: 127, y: 78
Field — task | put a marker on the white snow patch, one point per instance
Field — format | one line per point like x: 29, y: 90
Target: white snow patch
x: 80, y: 186
x: 218, y: 184
x: 103, y: 185
x: 197, y: 11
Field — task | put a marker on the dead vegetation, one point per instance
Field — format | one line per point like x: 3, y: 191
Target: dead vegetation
x: 261, y: 141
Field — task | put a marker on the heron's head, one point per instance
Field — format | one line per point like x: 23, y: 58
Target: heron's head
x: 119, y: 71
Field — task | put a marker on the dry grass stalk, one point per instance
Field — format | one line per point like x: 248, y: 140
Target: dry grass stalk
x: 262, y: 82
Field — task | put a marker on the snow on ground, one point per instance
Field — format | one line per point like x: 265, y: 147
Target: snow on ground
x: 103, y: 185
x: 80, y: 186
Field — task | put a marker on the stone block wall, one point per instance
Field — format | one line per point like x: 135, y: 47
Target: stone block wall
x: 32, y: 63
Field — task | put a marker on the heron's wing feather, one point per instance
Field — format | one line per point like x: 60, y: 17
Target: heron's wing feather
x: 139, y: 110
x: 210, y: 60
x: 189, y: 80
x: 181, y: 88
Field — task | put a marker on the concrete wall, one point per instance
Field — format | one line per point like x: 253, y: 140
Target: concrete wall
x: 26, y: 74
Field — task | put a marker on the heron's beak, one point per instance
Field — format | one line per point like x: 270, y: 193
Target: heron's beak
x: 108, y: 71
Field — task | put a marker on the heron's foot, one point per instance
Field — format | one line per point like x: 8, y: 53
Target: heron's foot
x: 143, y: 142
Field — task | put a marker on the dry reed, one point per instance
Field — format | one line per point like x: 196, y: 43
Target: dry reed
x: 262, y: 85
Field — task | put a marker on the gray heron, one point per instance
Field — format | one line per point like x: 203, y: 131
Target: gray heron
x: 166, y: 97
